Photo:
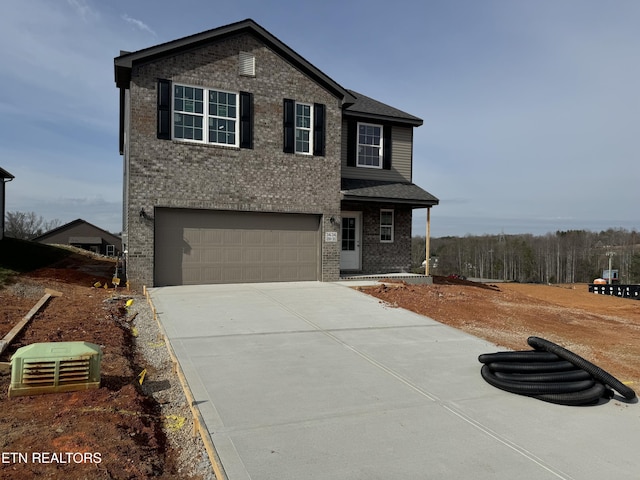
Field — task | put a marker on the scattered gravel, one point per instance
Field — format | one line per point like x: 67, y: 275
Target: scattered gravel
x: 161, y: 382
x: 26, y: 289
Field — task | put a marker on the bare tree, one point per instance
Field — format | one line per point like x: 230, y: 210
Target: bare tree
x: 27, y: 225
x: 561, y: 257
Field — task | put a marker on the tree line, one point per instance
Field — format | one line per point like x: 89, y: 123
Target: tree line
x: 27, y: 225
x: 573, y: 256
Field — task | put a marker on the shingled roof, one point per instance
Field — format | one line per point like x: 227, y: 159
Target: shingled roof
x: 364, y: 106
x: 5, y: 174
x: 127, y: 60
x: 380, y: 191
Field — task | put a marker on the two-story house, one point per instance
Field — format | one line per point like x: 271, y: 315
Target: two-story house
x: 243, y: 162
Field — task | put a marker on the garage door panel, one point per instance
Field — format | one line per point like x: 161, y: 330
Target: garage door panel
x: 252, y: 237
x: 232, y: 255
x: 308, y: 238
x: 254, y: 256
x: 231, y: 274
x: 212, y: 236
x: 212, y: 255
x: 198, y: 246
x: 271, y: 237
x: 232, y: 237
x: 270, y: 256
x: 290, y: 256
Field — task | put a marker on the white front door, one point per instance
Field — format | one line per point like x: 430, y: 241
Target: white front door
x: 351, y: 233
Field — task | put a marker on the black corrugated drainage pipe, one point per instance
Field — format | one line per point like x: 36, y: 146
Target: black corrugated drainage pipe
x: 595, y: 371
x: 550, y: 373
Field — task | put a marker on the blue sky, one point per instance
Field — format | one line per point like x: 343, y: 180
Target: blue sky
x: 531, y: 108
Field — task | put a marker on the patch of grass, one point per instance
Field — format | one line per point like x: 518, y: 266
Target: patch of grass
x: 5, y: 276
x: 19, y: 256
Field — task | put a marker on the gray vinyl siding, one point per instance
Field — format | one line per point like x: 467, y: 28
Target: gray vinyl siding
x: 401, y: 157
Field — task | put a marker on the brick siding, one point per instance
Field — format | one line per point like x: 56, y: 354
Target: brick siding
x: 379, y: 257
x: 166, y: 173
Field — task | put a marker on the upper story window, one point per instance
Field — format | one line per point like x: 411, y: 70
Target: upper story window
x: 303, y: 127
x: 370, y: 145
x: 304, y: 139
x: 205, y: 115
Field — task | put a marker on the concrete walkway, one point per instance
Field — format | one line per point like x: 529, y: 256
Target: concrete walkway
x: 318, y: 381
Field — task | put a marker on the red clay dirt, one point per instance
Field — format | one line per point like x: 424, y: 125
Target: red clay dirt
x: 119, y: 425
x: 601, y: 328
x: 106, y: 433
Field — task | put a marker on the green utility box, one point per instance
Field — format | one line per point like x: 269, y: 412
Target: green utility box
x: 55, y: 367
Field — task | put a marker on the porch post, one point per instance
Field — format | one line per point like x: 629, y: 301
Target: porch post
x: 427, y: 241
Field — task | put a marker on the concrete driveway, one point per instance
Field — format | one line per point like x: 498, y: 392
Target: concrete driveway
x: 319, y: 381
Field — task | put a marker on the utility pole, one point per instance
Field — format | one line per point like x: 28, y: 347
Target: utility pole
x: 610, y: 254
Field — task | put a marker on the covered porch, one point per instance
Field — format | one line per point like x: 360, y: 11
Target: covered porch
x: 375, y: 226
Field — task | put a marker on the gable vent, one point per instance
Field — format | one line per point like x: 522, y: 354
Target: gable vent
x: 247, y: 64
x: 55, y: 367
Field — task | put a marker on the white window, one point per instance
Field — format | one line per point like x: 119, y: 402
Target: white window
x: 386, y: 226
x: 369, y: 145
x: 205, y: 115
x: 304, y: 125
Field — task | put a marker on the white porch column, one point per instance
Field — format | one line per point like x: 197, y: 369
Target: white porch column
x: 427, y: 242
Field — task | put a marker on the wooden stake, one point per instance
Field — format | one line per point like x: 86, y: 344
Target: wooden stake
x: 8, y: 338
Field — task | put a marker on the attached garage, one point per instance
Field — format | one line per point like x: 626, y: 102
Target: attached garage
x: 210, y: 246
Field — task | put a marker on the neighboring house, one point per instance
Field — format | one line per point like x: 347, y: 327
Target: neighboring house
x: 4, y: 178
x: 82, y: 234
x: 245, y: 163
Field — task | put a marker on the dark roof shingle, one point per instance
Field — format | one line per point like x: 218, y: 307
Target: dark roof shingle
x: 364, y: 106
x: 393, y: 192
x: 5, y: 174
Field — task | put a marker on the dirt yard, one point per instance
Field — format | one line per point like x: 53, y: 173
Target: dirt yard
x: 603, y: 329
x: 115, y: 432
x: 120, y: 431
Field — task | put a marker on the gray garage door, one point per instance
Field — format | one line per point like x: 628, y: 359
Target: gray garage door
x: 204, y: 246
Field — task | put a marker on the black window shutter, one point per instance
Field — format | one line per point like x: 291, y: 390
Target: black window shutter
x: 164, y: 109
x: 386, y: 153
x: 246, y: 120
x: 288, y: 123
x: 352, y: 143
x: 318, y: 129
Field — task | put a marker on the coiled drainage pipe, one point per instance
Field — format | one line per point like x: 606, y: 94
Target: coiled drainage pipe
x: 519, y: 356
x: 534, y: 388
x: 550, y: 373
x: 570, y: 376
x: 533, y: 367
x: 595, y: 371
